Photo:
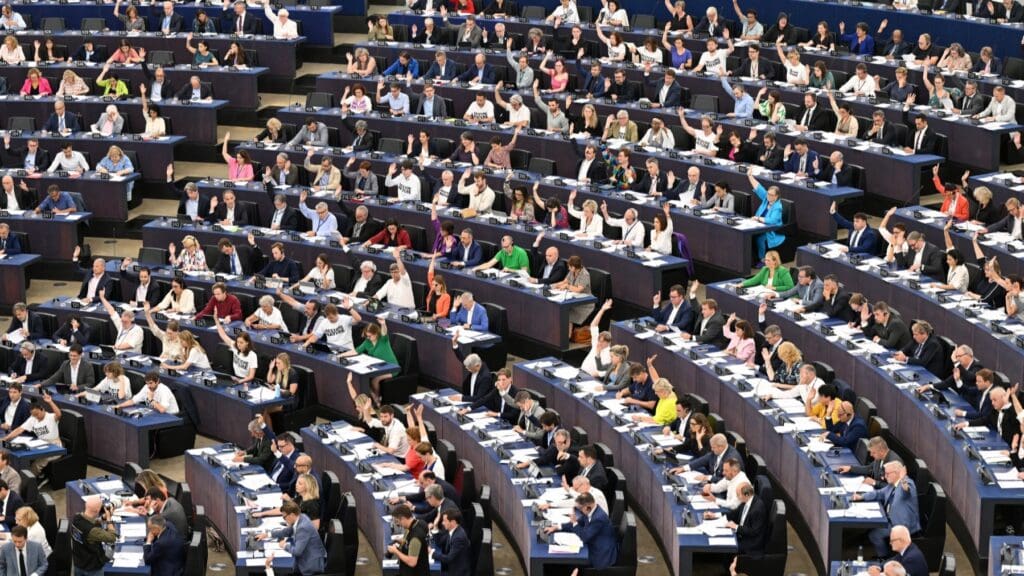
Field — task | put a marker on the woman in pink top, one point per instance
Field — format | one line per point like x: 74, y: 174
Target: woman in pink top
x: 35, y: 84
x: 741, y: 339
x: 559, y: 75
x: 125, y: 54
x: 239, y: 165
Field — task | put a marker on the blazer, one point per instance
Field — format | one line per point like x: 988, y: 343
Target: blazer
x: 683, y: 319
x: 529, y: 421
x: 289, y: 219
x: 440, y: 107
x: 86, y: 375
x: 419, y: 499
x: 15, y: 158
x: 765, y: 69
x: 889, y: 136
x: 844, y: 176
x: 260, y: 453
x: 450, y: 72
x: 35, y: 559
x: 590, y: 83
x: 477, y: 320
x: 819, y: 120
x: 473, y: 71
x: 931, y: 356
x: 290, y: 179
x: 933, y: 261
x: 249, y: 257
x: 369, y: 229
x: 284, y: 466
x: 894, y: 335
x: 965, y: 388
x: 11, y: 246
x: 475, y: 37
x: 559, y: 270
x: 40, y: 367
x: 913, y: 561
x: 867, y: 243
x: 600, y: 537
x: 202, y: 206
x: 484, y: 378
x: 971, y: 105
x: 995, y: 68
x: 453, y: 552
x: 153, y: 295
x: 471, y: 256
x: 597, y: 476
x: 773, y: 159
x: 809, y: 295
x: 166, y: 555
x: 102, y: 284
x: 597, y: 172
x: 35, y: 326
x: 977, y: 413
x: 643, y: 185
x: 713, y: 330
x: 838, y: 306
x: 901, y: 502
x: 847, y: 434
x: 13, y: 502
x: 929, y: 142
x: 185, y: 92
x: 70, y: 122
x: 492, y: 401
x: 898, y: 49
x: 99, y: 54
x: 711, y: 465
x: 792, y: 163
x: 333, y: 177
x: 229, y: 21
x: 751, y: 533
x: 876, y: 468
x: 372, y: 286
x: 627, y: 91
x: 166, y: 90
x: 156, y: 22
x: 674, y: 96
x: 118, y: 124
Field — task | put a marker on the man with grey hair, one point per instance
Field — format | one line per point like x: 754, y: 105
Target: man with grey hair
x: 711, y: 464
x: 441, y: 69
x: 193, y: 205
x: 282, y: 173
x: 284, y: 27
x: 874, y: 471
x: 29, y: 366
x: 129, y: 334
x: 906, y: 554
x: 891, y: 568
x: 518, y: 113
x: 261, y: 452
x: 750, y: 522
x: 899, y: 504
x: 580, y: 485
x: 164, y: 550
x: 467, y: 314
x: 367, y: 283
x: 630, y: 227
x: 27, y: 326
x: 324, y: 224
x: 284, y: 217
x: 478, y: 381
x: 434, y: 495
x: 961, y: 381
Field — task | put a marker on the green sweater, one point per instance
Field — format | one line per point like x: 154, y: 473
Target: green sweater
x: 517, y: 260
x: 781, y: 281
x: 382, y: 351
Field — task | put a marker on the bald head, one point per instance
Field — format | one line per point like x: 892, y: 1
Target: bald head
x: 551, y: 255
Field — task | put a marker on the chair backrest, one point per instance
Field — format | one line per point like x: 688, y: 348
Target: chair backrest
x: 465, y: 482
x: 705, y: 103
x: 45, y: 508
x: 161, y: 58
x: 627, y: 541
x: 72, y: 431
x: 405, y: 348
x: 865, y: 408
x: 93, y: 24
x: 330, y: 494
x: 446, y: 452
x: 320, y: 99
x: 777, y: 542
x: 26, y: 123
x: 485, y: 559
x: 605, y: 454
x: 824, y: 371
x: 390, y: 145
x: 29, y: 490
x: 195, y: 558
x: 62, y: 546
x: 542, y: 166
x: 334, y: 541
x: 52, y: 24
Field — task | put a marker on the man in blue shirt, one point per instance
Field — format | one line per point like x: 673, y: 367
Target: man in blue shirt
x: 468, y: 314
x: 56, y: 201
x: 744, y: 107
x: 405, y: 64
x: 396, y: 100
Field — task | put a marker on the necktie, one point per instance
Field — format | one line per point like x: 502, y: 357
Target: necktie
x: 803, y: 164
x: 878, y: 137
x: 282, y: 176
x: 855, y: 239
x: 917, y: 143
x: 746, y: 508
x: 888, y: 499
x: 238, y: 25
x: 21, y: 562
x: 967, y: 102
x: 920, y: 348
x: 807, y: 117
x: 61, y: 126
x: 278, y: 467
x: 359, y: 140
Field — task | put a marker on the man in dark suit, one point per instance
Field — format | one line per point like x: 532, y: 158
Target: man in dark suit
x: 10, y: 501
x: 284, y: 217
x: 710, y: 465
x: 96, y: 279
x: 592, y: 81
x: 552, y: 268
x: 283, y: 173
x: 770, y: 154
x: 773, y: 339
x: 167, y: 21
x: 478, y: 381
x: 834, y: 301
x: 451, y: 546
x: 962, y: 380
x: 836, y: 171
x: 874, y: 471
x: 676, y: 314
x: 754, y: 66
x: 1003, y: 418
x: 10, y: 245
x: 708, y: 327
x: 923, y: 140
x: 895, y: 47
x: 863, y: 239
x: 426, y: 479
x: 479, y: 73
x: 367, y: 282
x: 654, y: 181
x: 880, y: 131
x: 363, y: 227
x: 61, y: 121
x: 227, y: 211
x: 238, y: 260
x: 980, y: 412
x: 75, y: 372
x: 591, y: 468
x: 193, y: 205
x: 260, y: 453
x: 438, y: 107
x: 801, y: 160
x: 711, y: 24
x: 812, y: 116
x: 31, y: 157
x: 972, y: 102
x: 437, y: 504
x: 925, y: 350
x: 30, y: 325
x: 595, y: 529
x: 194, y: 90
x: 750, y: 522
x: 591, y: 168
x: 145, y: 289
x: 159, y: 86
x: 241, y: 22
x: 468, y: 252
x: 90, y: 52
x: 669, y: 93
x: 849, y: 430
x: 441, y: 69
x: 164, y: 550
x: 886, y: 328
x: 621, y: 90
x: 283, y: 470
x: 923, y: 257
x: 29, y: 365
x: 499, y: 400
x: 906, y: 552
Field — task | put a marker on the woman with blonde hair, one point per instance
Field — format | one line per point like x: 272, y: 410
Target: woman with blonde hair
x: 11, y: 53
x: 273, y: 132
x: 193, y: 353
x: 171, y: 346
x: 35, y: 84
x: 587, y: 124
x: 984, y: 212
x: 591, y: 223
x: 365, y: 410
x: 665, y: 409
x: 773, y: 275
x: 362, y: 64
x: 307, y: 496
x: 617, y: 376
x: 789, y: 372
x: 192, y: 258
x: 72, y: 84
x: 27, y: 517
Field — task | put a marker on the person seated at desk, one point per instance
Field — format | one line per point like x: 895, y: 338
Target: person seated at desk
x: 510, y: 257
x: 179, y: 299
x: 155, y: 395
x: 201, y: 56
x: 11, y: 20
x: 266, y: 316
x: 203, y: 24
x: 1001, y: 108
x: 30, y: 158
x: 281, y: 174
x: 772, y: 275
x: 481, y: 196
x: 987, y: 63
x: 164, y: 551
x: 396, y: 101
x: 22, y: 556
x: 306, y: 493
x: 196, y: 91
x: 665, y: 408
x: 28, y: 366
x: 377, y: 344
x: 880, y: 131
x: 60, y: 122
x: 280, y: 266
x: 243, y: 359
x: 260, y: 453
x: 848, y: 431
x: 70, y: 161
x: 321, y: 275
x: 10, y: 245
x: 240, y: 166
x: 11, y: 52
x: 27, y: 326
x: 334, y: 327
x: 405, y: 65
x: 324, y: 223
x: 12, y: 198
x: 272, y: 133
x: 420, y: 147
x: 35, y: 84
x: 677, y: 314
x: 75, y: 372
x: 862, y: 238
x: 436, y: 505
x: 193, y: 205
x: 886, y: 328
x: 241, y: 22
x: 223, y: 306
x: 364, y: 182
x: 925, y: 350
x: 741, y: 340
x: 592, y: 525
x: 900, y: 500
x: 807, y: 290
x: 861, y: 42
x: 115, y: 164
x: 238, y: 260
x: 407, y: 184
x: 956, y: 59
x: 327, y: 176
x: 367, y: 282
x: 95, y: 280
x: 56, y: 201
x: 129, y: 336
x: 468, y: 314
x: 922, y: 256
x: 398, y: 289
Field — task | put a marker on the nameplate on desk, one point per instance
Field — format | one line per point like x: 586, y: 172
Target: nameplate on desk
x: 16, y: 133
x: 777, y: 177
x: 885, y: 151
x: 4, y: 213
x: 733, y: 220
x: 410, y: 256
x: 826, y: 330
x: 76, y: 305
x: 62, y: 173
x: 913, y: 284
x: 564, y: 236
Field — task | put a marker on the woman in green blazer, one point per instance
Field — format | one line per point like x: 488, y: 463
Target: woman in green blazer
x: 772, y: 276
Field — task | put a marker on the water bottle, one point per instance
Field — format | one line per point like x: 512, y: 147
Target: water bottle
x: 860, y: 554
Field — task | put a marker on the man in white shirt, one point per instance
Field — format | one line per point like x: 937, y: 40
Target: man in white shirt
x: 394, y: 441
x: 733, y: 477
x: 336, y: 327
x: 43, y: 425
x: 566, y: 13
x: 481, y: 197
x: 398, y: 290
x: 633, y: 231
x: 129, y: 334
x: 1000, y: 109
x: 518, y: 114
x: 807, y: 382
x: 713, y: 60
x: 155, y: 395
x: 580, y: 485
x: 13, y: 194
x: 69, y: 160
x: 861, y: 83
x: 284, y: 28
x: 480, y: 111
x: 407, y: 184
